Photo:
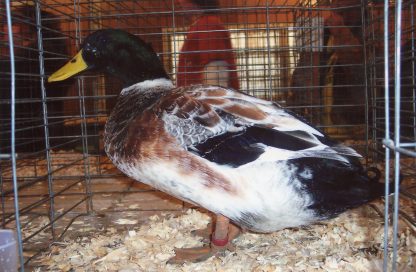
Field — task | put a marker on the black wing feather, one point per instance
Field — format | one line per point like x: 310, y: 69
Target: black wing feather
x: 238, y: 148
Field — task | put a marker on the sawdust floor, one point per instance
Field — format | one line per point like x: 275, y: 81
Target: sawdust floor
x: 138, y: 231
x: 351, y: 242
x: 134, y: 228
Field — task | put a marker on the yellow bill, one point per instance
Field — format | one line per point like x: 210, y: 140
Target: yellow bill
x: 73, y: 67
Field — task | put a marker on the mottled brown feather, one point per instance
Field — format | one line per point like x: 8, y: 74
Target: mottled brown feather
x: 148, y: 140
x: 190, y: 107
x: 252, y: 112
x: 214, y: 101
x: 215, y: 92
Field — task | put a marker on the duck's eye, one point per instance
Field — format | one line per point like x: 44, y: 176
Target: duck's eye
x: 95, y: 52
x: 92, y: 51
x: 90, y: 54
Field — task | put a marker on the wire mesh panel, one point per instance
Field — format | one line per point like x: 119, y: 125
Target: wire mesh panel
x: 391, y: 51
x: 376, y: 25
x: 322, y: 59
x: 39, y: 46
x: 329, y: 78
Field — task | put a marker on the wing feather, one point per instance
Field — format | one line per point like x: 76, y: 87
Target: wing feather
x: 206, y: 118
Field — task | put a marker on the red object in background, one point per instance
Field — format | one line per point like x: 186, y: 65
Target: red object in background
x: 207, y: 40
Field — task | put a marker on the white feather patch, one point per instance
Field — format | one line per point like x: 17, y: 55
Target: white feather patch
x: 147, y: 84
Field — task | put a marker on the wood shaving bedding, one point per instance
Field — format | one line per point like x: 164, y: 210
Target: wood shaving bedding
x: 31, y: 224
x: 351, y: 242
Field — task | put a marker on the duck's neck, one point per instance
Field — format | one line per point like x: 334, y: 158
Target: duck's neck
x: 133, y: 75
x: 133, y: 65
x: 158, y: 84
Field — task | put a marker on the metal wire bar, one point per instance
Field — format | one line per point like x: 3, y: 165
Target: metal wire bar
x: 41, y: 152
x: 397, y: 92
x: 413, y: 58
x: 398, y: 148
x: 174, y: 33
x: 45, y: 114
x: 80, y: 83
x: 57, y: 218
x: 268, y: 49
x: 387, y: 136
x: 13, y: 125
x: 366, y: 89
x: 30, y: 207
x: 51, y: 223
x: 28, y: 22
x: 10, y: 215
x: 85, y: 148
x: 3, y: 199
x: 61, y: 236
x: 26, y: 184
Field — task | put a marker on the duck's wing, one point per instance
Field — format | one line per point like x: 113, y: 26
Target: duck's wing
x: 228, y: 127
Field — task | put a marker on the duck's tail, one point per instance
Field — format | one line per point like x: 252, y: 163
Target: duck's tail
x: 377, y: 188
x: 336, y: 187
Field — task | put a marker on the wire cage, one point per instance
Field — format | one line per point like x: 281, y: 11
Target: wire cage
x: 347, y: 66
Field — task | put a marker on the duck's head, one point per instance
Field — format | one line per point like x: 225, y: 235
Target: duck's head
x: 116, y: 52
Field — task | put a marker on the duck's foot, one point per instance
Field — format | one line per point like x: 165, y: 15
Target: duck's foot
x: 220, y: 242
x: 205, y: 233
x: 199, y: 254
x: 193, y: 255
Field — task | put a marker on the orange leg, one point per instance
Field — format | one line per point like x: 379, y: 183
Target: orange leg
x: 220, y: 241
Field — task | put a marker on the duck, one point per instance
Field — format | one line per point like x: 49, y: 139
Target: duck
x: 254, y: 164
